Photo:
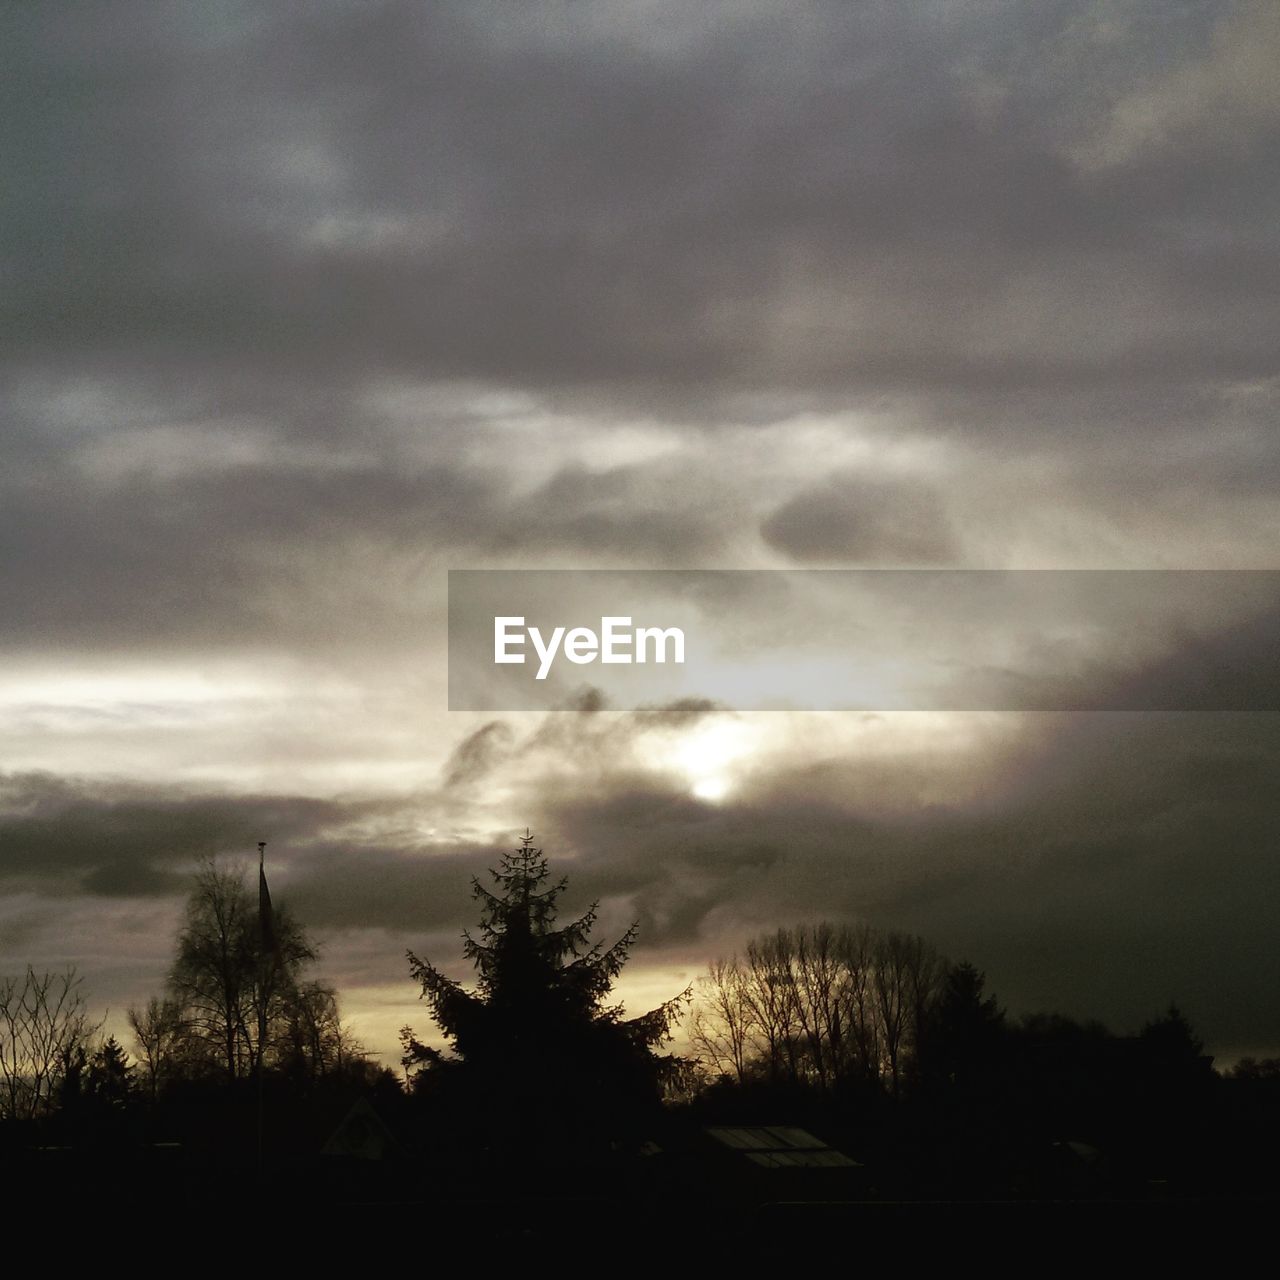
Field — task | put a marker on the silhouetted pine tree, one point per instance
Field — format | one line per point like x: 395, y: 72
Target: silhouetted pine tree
x: 964, y: 1033
x: 536, y: 1043
x: 110, y: 1077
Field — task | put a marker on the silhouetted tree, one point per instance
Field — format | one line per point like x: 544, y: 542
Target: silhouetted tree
x: 535, y: 1042
x: 225, y: 969
x: 159, y: 1030
x: 237, y: 994
x: 964, y: 1032
x: 1255, y: 1069
x: 110, y: 1077
x: 818, y: 1006
x: 905, y: 979
x: 721, y: 1026
x: 1173, y: 1062
x: 44, y: 1031
x: 1169, y: 1039
x: 98, y: 1085
x: 309, y: 1040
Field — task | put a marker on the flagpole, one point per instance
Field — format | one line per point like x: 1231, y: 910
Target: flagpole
x: 262, y: 994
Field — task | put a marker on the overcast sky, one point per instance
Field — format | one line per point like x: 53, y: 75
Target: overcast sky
x: 304, y: 304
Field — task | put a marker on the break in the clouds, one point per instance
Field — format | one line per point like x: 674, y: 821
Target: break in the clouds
x: 305, y: 304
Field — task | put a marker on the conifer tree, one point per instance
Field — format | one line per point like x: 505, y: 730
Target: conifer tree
x: 536, y: 1038
x: 110, y: 1078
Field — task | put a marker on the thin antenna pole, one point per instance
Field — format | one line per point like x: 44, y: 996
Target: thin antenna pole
x: 262, y: 1009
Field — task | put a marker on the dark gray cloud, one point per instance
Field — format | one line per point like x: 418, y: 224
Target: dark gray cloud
x: 418, y: 892
x: 215, y: 557
x: 121, y: 840
x: 477, y: 753
x: 888, y: 198
x: 855, y: 519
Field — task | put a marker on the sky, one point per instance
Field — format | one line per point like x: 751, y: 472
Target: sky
x: 304, y: 305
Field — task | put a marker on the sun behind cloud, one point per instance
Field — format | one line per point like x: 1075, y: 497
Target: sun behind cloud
x: 711, y: 757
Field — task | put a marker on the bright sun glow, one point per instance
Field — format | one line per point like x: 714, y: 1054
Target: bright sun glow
x: 712, y: 789
x: 710, y: 755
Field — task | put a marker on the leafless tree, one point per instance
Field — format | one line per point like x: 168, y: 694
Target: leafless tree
x: 891, y: 983
x: 771, y: 998
x: 308, y: 1035
x: 238, y: 994
x: 818, y: 1004
x: 861, y: 1025
x: 227, y: 978
x: 44, y: 1025
x: 159, y: 1030
x: 819, y: 981
x: 720, y: 1027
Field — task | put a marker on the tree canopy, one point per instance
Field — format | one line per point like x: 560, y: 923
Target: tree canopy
x: 238, y: 992
x: 536, y: 1035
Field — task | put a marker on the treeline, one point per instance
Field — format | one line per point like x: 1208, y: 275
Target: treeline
x: 830, y: 1008
x: 820, y: 1005
x: 894, y: 1052
x: 904, y: 1058
x: 239, y: 1005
